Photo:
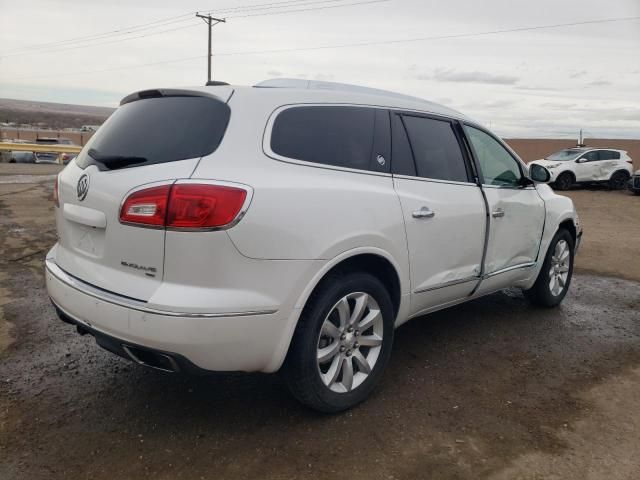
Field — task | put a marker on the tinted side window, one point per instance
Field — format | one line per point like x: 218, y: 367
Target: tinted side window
x: 497, y: 165
x: 330, y: 135
x: 591, y: 156
x: 609, y: 155
x: 401, y: 156
x: 436, y: 150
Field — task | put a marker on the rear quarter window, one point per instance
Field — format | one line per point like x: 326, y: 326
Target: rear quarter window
x: 341, y: 136
x: 160, y: 130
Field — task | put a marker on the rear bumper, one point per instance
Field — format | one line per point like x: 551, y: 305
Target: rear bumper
x: 157, y: 359
x: 234, y: 341
x: 634, y: 183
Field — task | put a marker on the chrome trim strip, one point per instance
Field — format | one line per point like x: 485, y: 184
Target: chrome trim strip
x: 435, y: 180
x: 447, y: 284
x: 508, y: 269
x: 508, y: 187
x: 133, y: 304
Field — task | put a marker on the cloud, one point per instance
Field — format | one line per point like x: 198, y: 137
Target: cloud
x: 600, y: 83
x: 578, y: 74
x: 474, y: 77
x: 559, y: 105
x: 323, y: 77
x: 536, y: 88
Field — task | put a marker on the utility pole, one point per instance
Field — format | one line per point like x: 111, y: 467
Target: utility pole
x: 209, y: 20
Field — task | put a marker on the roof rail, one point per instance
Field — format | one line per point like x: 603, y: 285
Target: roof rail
x: 341, y: 87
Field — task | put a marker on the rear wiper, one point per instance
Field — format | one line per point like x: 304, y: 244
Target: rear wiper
x: 115, y: 161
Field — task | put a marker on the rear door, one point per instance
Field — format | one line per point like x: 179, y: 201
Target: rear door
x: 153, y: 138
x: 443, y: 209
x: 516, y: 211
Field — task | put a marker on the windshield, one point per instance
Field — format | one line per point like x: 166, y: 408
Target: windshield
x: 157, y: 130
x: 568, y: 154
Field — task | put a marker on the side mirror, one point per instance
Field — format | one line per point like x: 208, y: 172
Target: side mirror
x: 581, y: 160
x: 539, y: 174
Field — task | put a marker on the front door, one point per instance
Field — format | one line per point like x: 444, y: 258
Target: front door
x: 516, y: 211
x: 444, y: 213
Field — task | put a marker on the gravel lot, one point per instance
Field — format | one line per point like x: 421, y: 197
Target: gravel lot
x: 492, y: 389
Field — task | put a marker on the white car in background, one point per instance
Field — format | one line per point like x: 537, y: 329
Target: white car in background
x: 292, y: 226
x: 588, y: 165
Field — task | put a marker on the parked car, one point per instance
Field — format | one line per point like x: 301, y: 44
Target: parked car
x: 22, y: 157
x: 53, y: 157
x: 291, y: 227
x: 15, y: 156
x: 587, y: 166
x: 634, y: 183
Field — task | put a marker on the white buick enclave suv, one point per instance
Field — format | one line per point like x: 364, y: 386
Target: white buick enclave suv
x: 291, y: 226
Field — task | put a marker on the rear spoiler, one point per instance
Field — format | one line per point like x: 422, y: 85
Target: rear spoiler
x: 222, y: 94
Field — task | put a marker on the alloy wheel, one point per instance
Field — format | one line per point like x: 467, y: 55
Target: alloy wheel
x: 350, y: 342
x: 559, y: 271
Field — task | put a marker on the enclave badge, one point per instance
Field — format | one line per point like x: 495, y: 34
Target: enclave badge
x: 83, y: 187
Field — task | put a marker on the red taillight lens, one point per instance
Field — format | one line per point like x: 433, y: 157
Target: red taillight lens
x: 146, y: 207
x: 204, y: 206
x: 56, y: 196
x: 184, y: 206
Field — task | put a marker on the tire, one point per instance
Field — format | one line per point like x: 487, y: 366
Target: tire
x: 326, y: 385
x: 564, y: 181
x: 545, y: 292
x: 618, y: 180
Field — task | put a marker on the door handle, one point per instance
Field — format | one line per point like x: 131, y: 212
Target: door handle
x: 424, y: 212
x: 498, y: 212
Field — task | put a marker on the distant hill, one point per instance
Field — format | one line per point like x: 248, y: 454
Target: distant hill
x: 53, y: 115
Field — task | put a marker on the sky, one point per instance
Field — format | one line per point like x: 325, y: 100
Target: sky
x: 542, y: 82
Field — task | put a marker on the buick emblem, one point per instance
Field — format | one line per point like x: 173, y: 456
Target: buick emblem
x: 83, y: 187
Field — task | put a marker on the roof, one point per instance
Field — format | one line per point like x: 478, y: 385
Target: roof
x: 392, y: 98
x: 281, y: 91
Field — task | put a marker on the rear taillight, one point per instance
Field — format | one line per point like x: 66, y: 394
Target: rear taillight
x: 56, y: 197
x: 630, y: 161
x: 184, y: 206
x: 146, y: 207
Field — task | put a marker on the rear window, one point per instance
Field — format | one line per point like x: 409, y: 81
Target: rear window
x: 330, y: 135
x: 609, y: 155
x: 157, y: 130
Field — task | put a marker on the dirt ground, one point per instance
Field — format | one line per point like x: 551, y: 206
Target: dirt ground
x: 493, y: 389
x: 611, y: 222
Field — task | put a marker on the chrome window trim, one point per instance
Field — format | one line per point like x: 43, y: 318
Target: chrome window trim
x: 435, y: 180
x: 132, y: 303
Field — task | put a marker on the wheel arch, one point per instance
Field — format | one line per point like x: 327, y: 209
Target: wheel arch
x: 624, y: 171
x: 569, y: 172
x: 373, y: 260
x: 569, y: 225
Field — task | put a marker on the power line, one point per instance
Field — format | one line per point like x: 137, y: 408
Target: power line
x: 308, y: 9
x: 435, y: 37
x: 276, y: 5
x: 52, y: 46
x: 352, y: 45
